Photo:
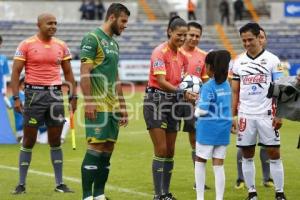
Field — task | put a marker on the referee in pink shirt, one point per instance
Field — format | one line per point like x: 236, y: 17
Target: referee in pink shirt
x: 43, y: 56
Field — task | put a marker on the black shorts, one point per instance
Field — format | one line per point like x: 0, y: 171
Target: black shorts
x: 43, y: 107
x: 160, y: 111
x: 186, y: 112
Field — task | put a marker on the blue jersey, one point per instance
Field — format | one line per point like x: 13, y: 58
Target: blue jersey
x: 4, y: 70
x: 18, y: 116
x: 214, y: 127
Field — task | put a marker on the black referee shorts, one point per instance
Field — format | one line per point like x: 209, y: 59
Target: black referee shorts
x: 186, y: 112
x: 43, y: 106
x: 160, y: 111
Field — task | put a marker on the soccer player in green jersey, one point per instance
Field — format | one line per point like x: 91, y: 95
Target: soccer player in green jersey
x: 105, y: 108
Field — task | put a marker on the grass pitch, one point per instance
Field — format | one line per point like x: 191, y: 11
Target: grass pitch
x: 130, y: 176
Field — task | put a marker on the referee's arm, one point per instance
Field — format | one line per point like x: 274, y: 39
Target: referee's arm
x: 17, y: 68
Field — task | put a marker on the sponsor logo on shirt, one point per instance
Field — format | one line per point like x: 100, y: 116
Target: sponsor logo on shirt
x: 86, y: 47
x: 254, y: 79
x: 158, y: 63
x: 110, y: 51
x: 244, y: 63
x: 263, y: 61
x: 254, y: 91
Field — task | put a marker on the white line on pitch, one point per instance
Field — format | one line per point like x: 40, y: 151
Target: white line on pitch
x: 76, y: 180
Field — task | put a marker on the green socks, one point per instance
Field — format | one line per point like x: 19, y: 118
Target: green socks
x: 94, y: 172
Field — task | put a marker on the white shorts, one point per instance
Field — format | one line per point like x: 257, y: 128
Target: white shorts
x: 209, y: 151
x: 249, y: 126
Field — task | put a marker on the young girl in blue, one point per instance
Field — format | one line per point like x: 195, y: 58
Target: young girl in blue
x: 214, y: 122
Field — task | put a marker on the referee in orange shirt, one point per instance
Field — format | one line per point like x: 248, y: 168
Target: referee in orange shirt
x: 43, y: 56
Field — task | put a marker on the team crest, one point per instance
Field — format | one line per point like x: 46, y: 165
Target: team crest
x: 104, y: 43
x: 198, y: 69
x: 97, y: 130
x: 242, y: 124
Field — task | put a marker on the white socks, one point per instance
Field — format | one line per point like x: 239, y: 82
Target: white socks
x: 219, y: 181
x: 276, y: 170
x: 200, y: 179
x: 249, y: 173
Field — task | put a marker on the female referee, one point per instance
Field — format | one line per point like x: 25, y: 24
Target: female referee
x: 167, y: 67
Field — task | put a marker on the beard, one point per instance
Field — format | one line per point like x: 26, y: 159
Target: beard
x: 114, y: 28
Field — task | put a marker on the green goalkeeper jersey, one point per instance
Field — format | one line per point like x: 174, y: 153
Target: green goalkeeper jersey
x: 102, y: 51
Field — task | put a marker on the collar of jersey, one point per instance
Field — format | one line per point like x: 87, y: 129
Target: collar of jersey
x: 253, y: 58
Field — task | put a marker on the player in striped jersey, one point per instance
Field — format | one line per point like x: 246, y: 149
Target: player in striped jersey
x: 252, y: 74
x: 264, y: 158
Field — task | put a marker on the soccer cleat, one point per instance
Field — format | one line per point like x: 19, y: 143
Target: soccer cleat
x: 168, y: 197
x: 63, y: 188
x: 252, y: 196
x: 101, y: 197
x: 240, y: 184
x: 20, y: 189
x: 268, y: 183
x: 157, y: 197
x: 205, y: 187
x: 280, y: 196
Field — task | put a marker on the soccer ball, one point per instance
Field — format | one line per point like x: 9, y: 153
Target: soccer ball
x: 191, y: 83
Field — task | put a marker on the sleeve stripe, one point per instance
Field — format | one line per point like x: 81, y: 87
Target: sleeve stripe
x: 19, y: 58
x: 160, y: 72
x: 67, y: 58
x: 87, y: 60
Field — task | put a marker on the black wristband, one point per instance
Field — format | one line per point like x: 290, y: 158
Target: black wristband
x: 73, y: 97
x: 180, y: 91
x: 15, y: 97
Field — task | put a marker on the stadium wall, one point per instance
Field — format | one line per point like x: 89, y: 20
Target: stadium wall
x: 64, y: 11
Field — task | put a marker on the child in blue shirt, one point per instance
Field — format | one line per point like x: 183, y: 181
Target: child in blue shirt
x: 214, y: 122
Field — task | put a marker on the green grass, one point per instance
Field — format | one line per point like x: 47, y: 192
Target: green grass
x: 130, y: 176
